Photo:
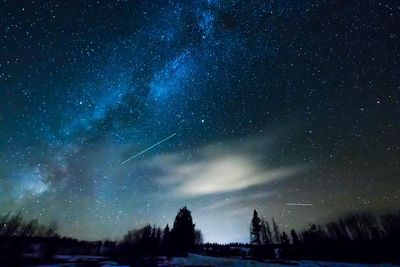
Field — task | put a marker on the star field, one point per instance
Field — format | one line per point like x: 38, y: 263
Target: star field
x: 272, y: 102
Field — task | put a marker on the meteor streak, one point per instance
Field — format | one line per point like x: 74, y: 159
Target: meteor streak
x: 147, y: 149
x: 300, y: 204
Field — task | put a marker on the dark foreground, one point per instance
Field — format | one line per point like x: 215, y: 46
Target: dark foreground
x: 190, y: 261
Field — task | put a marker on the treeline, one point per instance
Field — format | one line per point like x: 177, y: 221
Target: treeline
x: 151, y: 241
x: 227, y: 250
x: 17, y: 236
x: 16, y: 226
x: 357, y: 237
x: 28, y: 241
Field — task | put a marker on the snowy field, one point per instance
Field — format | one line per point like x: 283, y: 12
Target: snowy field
x: 82, y: 260
x: 194, y: 260
x: 203, y: 261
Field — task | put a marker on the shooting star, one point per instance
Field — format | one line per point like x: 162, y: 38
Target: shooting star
x: 147, y: 149
x: 300, y: 204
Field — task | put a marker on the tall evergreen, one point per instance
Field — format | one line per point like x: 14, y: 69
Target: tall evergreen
x: 295, y: 237
x: 265, y: 239
x: 183, y: 232
x: 166, y: 232
x: 277, y: 234
x: 268, y: 230
x: 166, y: 241
x: 255, y: 229
x: 285, y: 238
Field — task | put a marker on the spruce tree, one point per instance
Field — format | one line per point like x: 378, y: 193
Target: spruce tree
x: 277, y: 234
x: 265, y: 240
x: 255, y: 229
x: 285, y: 238
x: 295, y: 237
x: 166, y: 241
x: 183, y: 232
x: 268, y: 230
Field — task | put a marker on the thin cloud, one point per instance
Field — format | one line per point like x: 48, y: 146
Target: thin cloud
x: 219, y: 172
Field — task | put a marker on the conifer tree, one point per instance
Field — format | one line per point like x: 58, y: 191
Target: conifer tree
x: 277, y: 234
x: 255, y: 229
x: 295, y: 237
x: 265, y: 239
x: 183, y: 232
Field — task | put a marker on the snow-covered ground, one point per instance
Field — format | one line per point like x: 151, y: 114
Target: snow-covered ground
x: 200, y: 260
x: 194, y: 260
x: 79, y: 260
x: 74, y: 258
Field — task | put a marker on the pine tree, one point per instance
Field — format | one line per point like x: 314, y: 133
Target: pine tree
x: 277, y: 234
x: 265, y: 239
x: 166, y: 232
x: 183, y: 232
x: 166, y: 240
x: 295, y: 237
x: 285, y: 238
x: 158, y: 236
x: 268, y: 230
x: 255, y: 229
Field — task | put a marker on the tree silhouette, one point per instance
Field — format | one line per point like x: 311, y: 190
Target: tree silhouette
x: 295, y: 237
x: 166, y: 241
x: 183, y: 235
x: 268, y: 230
x: 255, y: 229
x: 285, y: 239
x: 356, y: 237
x: 391, y: 225
x: 277, y: 234
x: 51, y: 229
x: 166, y: 234
x: 313, y: 235
x: 265, y: 236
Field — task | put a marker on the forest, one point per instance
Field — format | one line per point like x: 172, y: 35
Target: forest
x: 354, y: 238
x: 27, y: 241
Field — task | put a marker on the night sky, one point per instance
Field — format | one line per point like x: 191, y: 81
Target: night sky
x: 271, y: 102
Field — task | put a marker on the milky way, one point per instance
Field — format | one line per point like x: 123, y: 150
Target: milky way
x: 273, y: 102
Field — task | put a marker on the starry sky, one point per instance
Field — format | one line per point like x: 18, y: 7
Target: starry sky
x: 271, y: 102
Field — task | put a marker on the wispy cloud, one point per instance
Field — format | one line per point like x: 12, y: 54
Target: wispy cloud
x: 217, y: 170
